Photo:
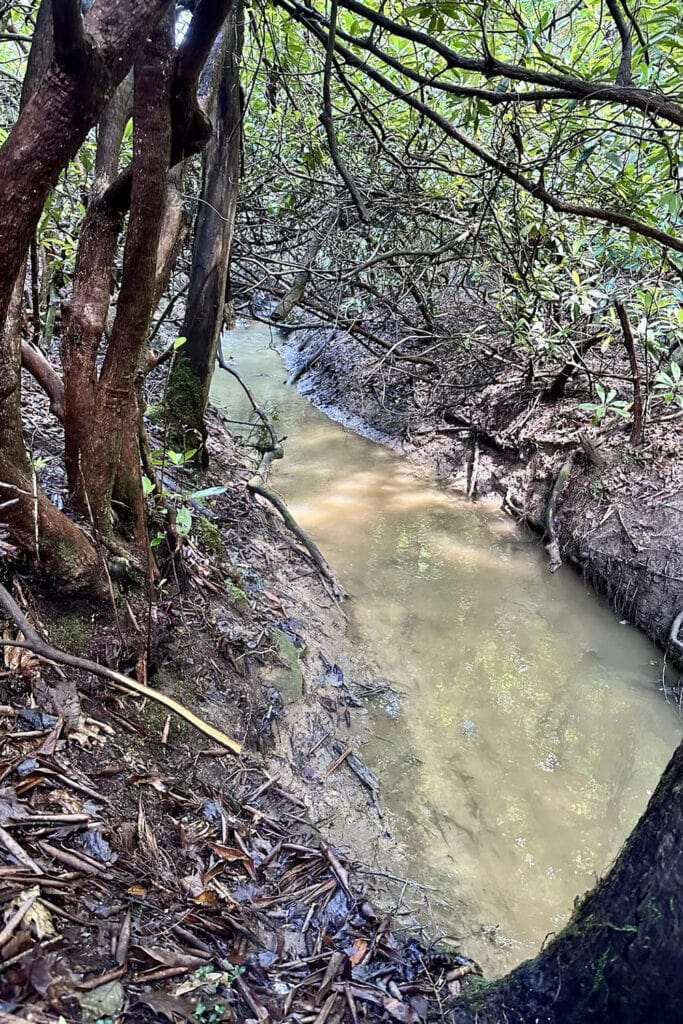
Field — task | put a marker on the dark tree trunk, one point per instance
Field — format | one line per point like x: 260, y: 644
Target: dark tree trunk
x: 620, y: 959
x: 193, y: 368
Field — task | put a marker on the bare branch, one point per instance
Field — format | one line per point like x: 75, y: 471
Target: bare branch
x: 625, y: 32
x: 327, y: 122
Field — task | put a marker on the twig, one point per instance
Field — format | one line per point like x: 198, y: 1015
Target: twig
x: 34, y: 642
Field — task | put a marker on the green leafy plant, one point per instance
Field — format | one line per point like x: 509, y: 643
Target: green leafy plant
x: 608, y: 405
x: 668, y: 385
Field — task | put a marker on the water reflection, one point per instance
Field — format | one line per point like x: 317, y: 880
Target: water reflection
x: 532, y: 730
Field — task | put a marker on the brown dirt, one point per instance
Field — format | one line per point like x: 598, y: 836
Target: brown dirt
x: 148, y: 875
x: 619, y: 523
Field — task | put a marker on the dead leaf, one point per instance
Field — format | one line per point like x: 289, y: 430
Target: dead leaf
x: 229, y: 853
x: 207, y: 897
x: 161, y: 783
x: 167, y: 1006
x: 170, y: 957
x: 400, y: 1011
x: 11, y: 809
x: 103, y: 1001
x: 20, y: 659
x: 360, y: 948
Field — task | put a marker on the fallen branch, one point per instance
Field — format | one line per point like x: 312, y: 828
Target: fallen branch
x: 35, y: 643
x: 259, y: 410
x: 258, y: 485
x: 307, y: 364
x: 674, y: 640
x: 553, y: 545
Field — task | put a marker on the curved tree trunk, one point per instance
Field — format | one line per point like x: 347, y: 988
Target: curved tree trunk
x: 73, y: 75
x: 107, y: 454
x: 193, y: 368
x: 620, y: 959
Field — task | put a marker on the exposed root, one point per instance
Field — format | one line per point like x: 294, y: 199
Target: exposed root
x: 553, y: 545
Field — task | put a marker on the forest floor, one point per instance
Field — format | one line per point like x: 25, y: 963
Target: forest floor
x: 484, y: 427
x: 146, y: 874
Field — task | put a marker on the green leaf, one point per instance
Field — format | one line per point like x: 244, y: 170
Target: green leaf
x: 184, y: 521
x: 179, y: 342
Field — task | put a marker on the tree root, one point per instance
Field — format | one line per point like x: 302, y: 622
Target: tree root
x: 257, y: 485
x: 553, y: 545
x: 34, y: 642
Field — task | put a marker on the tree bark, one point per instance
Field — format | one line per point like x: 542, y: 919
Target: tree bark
x: 68, y: 92
x: 193, y: 368
x: 110, y: 455
x: 619, y: 959
x: 85, y: 312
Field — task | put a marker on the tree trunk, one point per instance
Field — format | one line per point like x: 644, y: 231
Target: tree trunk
x: 67, y: 94
x: 174, y: 229
x: 85, y: 312
x: 619, y: 959
x: 193, y: 368
x: 110, y: 455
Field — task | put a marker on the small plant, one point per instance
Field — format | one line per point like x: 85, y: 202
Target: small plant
x: 668, y: 385
x: 208, y: 1014
x: 608, y: 405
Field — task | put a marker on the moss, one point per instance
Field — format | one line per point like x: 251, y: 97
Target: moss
x: 209, y: 536
x: 155, y: 413
x: 185, y: 401
x: 71, y: 633
x: 286, y: 676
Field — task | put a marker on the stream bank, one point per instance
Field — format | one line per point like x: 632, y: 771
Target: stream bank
x: 620, y: 516
x: 527, y: 729
x: 149, y: 875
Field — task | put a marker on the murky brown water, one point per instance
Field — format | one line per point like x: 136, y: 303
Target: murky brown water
x: 532, y: 729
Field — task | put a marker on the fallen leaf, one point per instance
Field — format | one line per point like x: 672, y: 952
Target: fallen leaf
x: 104, y: 1001
x: 167, y: 1006
x: 360, y: 947
x: 207, y: 897
x: 170, y: 957
x: 10, y: 808
x: 229, y: 853
x: 161, y: 783
x: 400, y: 1011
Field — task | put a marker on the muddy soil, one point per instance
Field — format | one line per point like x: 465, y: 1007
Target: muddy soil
x: 147, y: 874
x: 620, y: 516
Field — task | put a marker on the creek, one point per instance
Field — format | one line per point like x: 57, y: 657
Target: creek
x: 531, y: 727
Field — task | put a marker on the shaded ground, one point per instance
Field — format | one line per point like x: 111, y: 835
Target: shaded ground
x: 485, y: 426
x: 147, y: 875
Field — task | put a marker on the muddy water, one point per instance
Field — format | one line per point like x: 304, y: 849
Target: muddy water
x: 531, y: 728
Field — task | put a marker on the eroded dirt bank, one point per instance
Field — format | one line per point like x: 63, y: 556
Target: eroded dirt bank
x: 149, y: 875
x: 619, y: 517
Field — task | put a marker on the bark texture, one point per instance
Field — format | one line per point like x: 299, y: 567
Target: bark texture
x: 72, y: 75
x: 109, y: 455
x: 214, y: 225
